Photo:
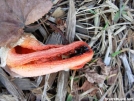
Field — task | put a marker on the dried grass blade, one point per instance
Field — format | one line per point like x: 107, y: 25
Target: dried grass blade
x: 112, y: 5
x: 120, y: 29
x: 71, y: 22
x: 87, y: 92
x: 11, y: 87
x: 44, y: 96
x: 5, y: 97
x: 110, y: 39
x: 62, y: 86
x: 128, y: 18
x: 103, y: 47
x: 121, y: 93
x: 95, y: 38
x: 102, y: 12
x: 111, y: 87
x: 122, y: 40
x: 127, y: 69
x: 81, y: 10
x: 107, y: 59
x: 96, y: 21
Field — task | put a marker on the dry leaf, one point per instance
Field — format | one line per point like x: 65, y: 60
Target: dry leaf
x: 113, y: 73
x: 58, y: 12
x: 99, y: 72
x: 61, y: 24
x: 104, y: 69
x: 92, y: 76
x: 15, y: 14
x: 87, y: 85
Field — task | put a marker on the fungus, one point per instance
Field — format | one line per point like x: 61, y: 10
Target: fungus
x: 32, y: 58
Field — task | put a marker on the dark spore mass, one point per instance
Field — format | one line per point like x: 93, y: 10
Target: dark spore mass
x: 80, y: 51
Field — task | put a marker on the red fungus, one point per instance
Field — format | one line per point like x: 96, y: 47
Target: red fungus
x: 32, y: 58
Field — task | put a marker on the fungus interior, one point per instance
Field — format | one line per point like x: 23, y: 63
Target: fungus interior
x: 80, y: 50
x: 22, y: 50
x: 77, y: 51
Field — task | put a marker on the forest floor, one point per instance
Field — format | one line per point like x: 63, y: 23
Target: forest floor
x: 107, y: 26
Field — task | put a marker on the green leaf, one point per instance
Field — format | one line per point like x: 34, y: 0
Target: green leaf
x: 75, y: 79
x: 117, y: 16
x: 95, y: 98
x: 115, y: 53
x: 123, y: 7
x: 124, y: 12
x: 69, y: 98
x: 105, y: 27
x: 91, y: 11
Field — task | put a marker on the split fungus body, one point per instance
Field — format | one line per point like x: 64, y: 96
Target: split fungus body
x: 32, y: 58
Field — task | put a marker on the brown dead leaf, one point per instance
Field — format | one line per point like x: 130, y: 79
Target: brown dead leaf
x: 92, y: 76
x: 15, y: 14
x: 61, y: 24
x: 104, y: 69
x: 130, y: 37
x: 112, y: 76
x: 87, y: 85
x: 98, y: 73
x: 37, y: 91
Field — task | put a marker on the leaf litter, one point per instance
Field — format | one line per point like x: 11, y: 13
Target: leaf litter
x: 107, y: 26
